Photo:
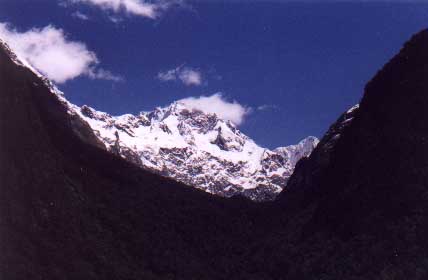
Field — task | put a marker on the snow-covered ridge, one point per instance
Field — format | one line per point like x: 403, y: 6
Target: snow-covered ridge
x: 191, y: 146
x: 198, y: 149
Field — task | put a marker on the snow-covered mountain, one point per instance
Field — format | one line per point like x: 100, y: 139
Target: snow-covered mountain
x: 193, y: 147
x: 198, y: 149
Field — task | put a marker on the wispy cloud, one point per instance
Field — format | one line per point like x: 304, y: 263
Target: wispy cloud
x: 143, y: 8
x: 49, y: 51
x: 187, y: 75
x: 102, y: 74
x: 267, y: 107
x: 80, y: 15
x: 217, y: 104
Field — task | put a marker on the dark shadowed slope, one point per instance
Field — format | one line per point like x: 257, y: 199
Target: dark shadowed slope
x: 364, y: 190
x: 356, y: 209
x: 70, y: 210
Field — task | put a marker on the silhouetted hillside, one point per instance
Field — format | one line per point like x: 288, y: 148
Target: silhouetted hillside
x: 70, y: 210
x: 356, y: 209
x: 364, y: 190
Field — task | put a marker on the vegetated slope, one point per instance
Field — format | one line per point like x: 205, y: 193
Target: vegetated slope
x: 355, y: 209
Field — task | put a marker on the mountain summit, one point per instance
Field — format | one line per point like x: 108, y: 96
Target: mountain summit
x: 198, y: 149
x: 191, y: 146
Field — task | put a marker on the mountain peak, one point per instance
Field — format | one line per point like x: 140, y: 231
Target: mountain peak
x: 197, y: 148
x: 191, y: 146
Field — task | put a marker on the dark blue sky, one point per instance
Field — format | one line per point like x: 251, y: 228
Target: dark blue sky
x: 308, y: 61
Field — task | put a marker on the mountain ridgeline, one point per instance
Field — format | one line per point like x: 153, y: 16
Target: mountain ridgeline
x: 356, y: 208
x: 196, y: 148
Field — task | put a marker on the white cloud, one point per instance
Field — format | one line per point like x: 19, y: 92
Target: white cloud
x: 187, y: 75
x: 80, y: 15
x: 141, y: 8
x: 190, y: 77
x: 216, y: 104
x: 49, y: 51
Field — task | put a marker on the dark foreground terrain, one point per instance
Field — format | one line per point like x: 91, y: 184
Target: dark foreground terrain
x: 356, y: 209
